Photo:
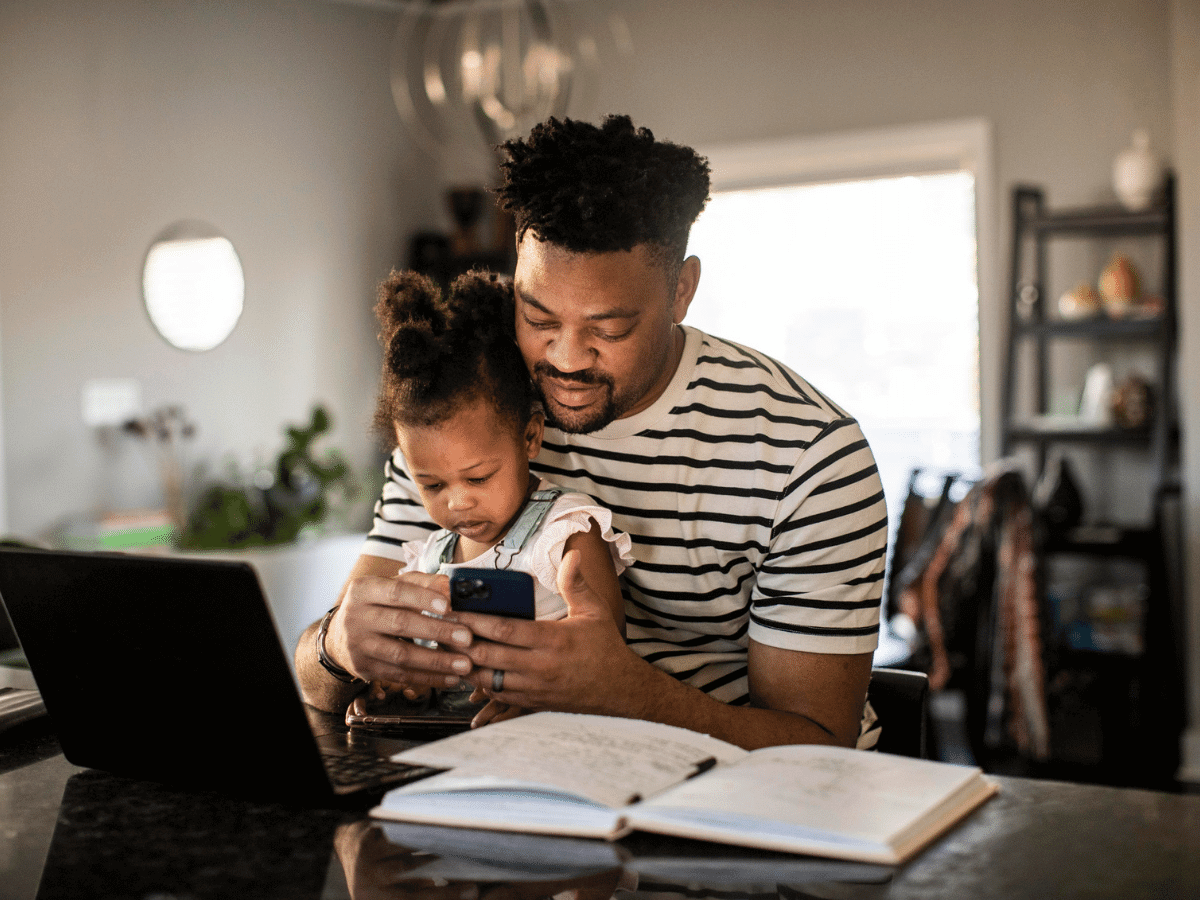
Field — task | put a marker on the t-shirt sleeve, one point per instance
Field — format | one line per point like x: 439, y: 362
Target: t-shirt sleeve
x: 399, y: 515
x: 820, y: 586
x: 412, y: 553
x: 573, y: 513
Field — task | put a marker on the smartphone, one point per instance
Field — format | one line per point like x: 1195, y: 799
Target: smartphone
x: 438, y: 714
x: 497, y: 592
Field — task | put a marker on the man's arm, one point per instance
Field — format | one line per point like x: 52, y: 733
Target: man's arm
x: 379, y: 612
x: 370, y: 636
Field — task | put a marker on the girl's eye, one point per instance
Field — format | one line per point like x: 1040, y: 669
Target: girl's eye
x: 541, y: 326
x: 432, y: 488
x: 480, y: 480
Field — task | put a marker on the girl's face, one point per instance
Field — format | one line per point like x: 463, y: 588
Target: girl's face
x: 472, y: 470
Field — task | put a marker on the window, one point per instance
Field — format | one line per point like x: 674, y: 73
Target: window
x: 867, y: 288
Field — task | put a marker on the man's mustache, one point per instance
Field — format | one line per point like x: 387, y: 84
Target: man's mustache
x: 583, y: 376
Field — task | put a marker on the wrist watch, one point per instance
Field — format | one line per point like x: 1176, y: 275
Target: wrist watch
x: 325, y: 659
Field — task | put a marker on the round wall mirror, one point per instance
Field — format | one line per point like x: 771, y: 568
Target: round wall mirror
x: 193, y: 285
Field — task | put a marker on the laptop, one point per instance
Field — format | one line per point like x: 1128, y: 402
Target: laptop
x: 170, y: 669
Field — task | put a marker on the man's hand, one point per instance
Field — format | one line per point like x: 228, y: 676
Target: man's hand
x: 576, y: 664
x: 371, y: 636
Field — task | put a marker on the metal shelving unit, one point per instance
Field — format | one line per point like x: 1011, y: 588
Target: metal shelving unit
x: 1139, y: 695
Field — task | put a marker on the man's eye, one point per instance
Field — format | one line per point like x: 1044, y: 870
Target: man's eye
x: 615, y: 335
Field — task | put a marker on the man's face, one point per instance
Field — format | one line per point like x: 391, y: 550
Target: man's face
x: 597, y: 331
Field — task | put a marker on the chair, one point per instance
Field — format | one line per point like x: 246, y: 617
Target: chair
x: 900, y: 699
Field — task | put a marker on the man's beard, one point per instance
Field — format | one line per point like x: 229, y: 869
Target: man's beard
x: 573, y: 421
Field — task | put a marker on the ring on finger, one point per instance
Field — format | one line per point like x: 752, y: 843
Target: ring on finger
x: 498, y: 680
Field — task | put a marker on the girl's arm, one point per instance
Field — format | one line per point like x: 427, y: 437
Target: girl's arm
x: 597, y: 568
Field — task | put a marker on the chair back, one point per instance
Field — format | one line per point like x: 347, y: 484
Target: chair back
x: 900, y: 699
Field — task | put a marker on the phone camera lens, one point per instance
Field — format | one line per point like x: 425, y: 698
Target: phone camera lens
x: 475, y: 589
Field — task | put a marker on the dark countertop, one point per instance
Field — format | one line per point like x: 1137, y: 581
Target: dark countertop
x: 97, y: 835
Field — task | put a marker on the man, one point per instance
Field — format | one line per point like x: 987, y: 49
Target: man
x: 756, y: 512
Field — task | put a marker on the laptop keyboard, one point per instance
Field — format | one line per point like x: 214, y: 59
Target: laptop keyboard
x: 352, y: 767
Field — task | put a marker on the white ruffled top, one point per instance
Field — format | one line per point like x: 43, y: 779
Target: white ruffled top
x: 543, y: 551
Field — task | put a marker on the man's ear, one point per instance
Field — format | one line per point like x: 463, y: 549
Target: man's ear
x: 533, y: 433
x: 685, y: 288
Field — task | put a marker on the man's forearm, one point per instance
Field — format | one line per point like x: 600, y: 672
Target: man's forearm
x: 654, y: 695
x: 317, y: 687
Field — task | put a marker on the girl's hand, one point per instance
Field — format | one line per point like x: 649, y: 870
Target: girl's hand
x: 381, y: 690
x: 494, y: 710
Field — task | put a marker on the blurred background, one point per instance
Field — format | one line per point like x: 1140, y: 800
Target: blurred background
x: 872, y: 146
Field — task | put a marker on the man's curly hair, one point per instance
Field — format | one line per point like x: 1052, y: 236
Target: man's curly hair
x: 598, y: 189
x: 441, y: 352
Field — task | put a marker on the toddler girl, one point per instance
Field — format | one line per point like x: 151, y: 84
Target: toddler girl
x: 457, y: 396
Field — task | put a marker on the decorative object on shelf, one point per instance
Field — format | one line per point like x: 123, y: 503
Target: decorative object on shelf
x: 1137, y: 174
x: 466, y: 208
x: 1056, y: 496
x: 279, y: 504
x: 483, y: 237
x: 1120, y: 287
x: 1096, y: 404
x: 1027, y: 302
x: 167, y: 428
x: 1133, y: 402
x: 1080, y: 302
x: 478, y: 72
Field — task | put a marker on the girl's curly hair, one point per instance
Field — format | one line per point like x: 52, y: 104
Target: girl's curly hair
x: 597, y: 189
x: 441, y: 352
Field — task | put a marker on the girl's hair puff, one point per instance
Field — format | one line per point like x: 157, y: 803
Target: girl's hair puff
x: 443, y: 351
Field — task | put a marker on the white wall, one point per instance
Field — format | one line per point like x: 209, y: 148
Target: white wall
x: 1185, y: 84
x: 272, y: 120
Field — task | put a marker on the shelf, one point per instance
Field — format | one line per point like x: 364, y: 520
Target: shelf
x: 1098, y: 327
x: 1107, y: 221
x: 1068, y: 428
x: 1114, y: 661
x: 1102, y: 540
x: 1112, y: 671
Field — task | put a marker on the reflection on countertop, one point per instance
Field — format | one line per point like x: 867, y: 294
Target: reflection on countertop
x: 70, y: 832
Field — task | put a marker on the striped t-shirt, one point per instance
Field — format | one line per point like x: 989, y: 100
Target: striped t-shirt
x: 754, y: 507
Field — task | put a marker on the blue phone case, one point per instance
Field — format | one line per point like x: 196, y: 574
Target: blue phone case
x: 497, y: 592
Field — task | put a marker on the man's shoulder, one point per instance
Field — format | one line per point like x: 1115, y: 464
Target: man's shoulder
x: 740, y: 376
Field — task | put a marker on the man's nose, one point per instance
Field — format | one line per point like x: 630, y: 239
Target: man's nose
x: 569, y: 352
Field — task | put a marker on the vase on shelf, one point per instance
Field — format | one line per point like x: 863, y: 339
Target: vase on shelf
x: 1056, y: 497
x: 1137, y: 173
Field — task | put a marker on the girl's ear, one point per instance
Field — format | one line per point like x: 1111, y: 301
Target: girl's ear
x: 533, y: 434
